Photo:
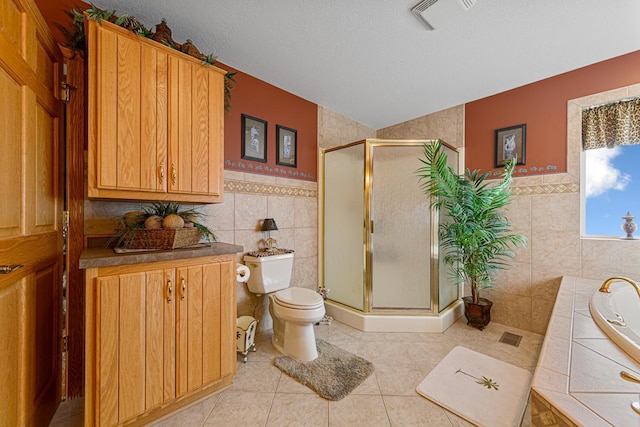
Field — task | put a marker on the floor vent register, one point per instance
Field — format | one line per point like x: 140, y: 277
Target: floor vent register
x: 511, y: 339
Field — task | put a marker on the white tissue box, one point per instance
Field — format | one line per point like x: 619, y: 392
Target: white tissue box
x: 245, y: 335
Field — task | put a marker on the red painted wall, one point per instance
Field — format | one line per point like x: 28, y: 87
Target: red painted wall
x: 543, y: 107
x: 53, y: 12
x: 264, y: 101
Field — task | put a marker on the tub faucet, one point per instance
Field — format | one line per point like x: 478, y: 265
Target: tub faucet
x: 610, y: 280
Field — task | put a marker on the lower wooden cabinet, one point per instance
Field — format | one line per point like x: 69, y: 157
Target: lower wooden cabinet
x: 158, y: 335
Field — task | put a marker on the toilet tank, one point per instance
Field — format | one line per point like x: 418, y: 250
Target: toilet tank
x: 269, y: 273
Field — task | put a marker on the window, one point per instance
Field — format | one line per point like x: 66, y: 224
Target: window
x: 612, y: 187
x: 611, y: 165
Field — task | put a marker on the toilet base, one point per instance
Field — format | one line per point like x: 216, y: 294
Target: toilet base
x: 300, y: 341
x: 294, y: 338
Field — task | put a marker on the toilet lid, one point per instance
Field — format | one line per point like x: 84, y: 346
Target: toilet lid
x: 300, y: 298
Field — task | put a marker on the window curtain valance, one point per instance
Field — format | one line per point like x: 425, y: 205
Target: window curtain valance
x: 611, y: 125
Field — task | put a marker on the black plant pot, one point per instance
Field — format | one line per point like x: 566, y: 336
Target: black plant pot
x: 478, y: 315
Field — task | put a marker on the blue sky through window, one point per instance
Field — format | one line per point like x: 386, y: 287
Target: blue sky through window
x: 612, y: 188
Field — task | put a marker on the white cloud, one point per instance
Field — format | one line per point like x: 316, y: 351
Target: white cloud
x: 602, y: 176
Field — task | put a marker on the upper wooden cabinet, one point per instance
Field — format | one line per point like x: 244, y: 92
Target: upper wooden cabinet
x: 156, y: 120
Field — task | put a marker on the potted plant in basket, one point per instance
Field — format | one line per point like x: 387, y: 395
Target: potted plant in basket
x: 475, y: 238
x: 160, y: 226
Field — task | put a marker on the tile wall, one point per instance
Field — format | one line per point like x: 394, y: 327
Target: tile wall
x: 447, y: 125
x: 546, y: 209
x: 335, y: 130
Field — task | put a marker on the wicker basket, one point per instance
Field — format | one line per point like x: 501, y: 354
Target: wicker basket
x: 164, y: 238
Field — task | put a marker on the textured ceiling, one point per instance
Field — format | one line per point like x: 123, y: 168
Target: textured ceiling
x: 373, y: 61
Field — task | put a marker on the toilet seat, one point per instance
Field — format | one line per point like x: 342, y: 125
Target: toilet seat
x: 299, y: 299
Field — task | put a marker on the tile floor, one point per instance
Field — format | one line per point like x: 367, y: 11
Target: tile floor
x: 263, y: 396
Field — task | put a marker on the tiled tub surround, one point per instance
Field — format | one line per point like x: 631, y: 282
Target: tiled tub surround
x: 577, y: 380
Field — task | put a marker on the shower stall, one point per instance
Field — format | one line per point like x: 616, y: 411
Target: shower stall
x: 379, y: 254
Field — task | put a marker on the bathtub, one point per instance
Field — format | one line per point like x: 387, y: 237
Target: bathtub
x: 617, y: 313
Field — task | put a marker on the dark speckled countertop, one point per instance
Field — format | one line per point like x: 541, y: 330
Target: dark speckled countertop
x: 106, y: 257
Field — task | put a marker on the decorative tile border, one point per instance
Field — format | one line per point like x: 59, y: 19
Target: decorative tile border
x: 235, y: 186
x: 251, y: 167
x: 522, y: 171
x: 546, y: 189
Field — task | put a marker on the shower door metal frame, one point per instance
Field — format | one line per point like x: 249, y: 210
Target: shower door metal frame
x: 368, y: 228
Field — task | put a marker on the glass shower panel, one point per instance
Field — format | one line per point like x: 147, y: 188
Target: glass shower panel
x: 447, y: 289
x: 344, y: 225
x: 401, y: 237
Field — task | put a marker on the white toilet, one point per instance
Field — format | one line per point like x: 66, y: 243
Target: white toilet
x: 294, y: 310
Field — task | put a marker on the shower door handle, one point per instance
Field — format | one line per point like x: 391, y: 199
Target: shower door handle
x: 371, y: 226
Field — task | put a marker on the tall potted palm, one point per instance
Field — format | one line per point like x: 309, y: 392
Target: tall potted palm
x: 475, y: 237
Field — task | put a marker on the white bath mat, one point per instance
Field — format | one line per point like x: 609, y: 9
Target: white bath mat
x: 483, y: 390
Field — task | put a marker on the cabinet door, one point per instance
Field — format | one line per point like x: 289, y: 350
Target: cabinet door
x: 159, y: 337
x: 211, y: 309
x: 196, y: 140
x: 131, y: 346
x: 127, y: 112
x: 153, y: 120
x: 136, y: 343
x: 205, y: 325
x: 228, y: 316
x: 189, y: 329
x: 107, y: 347
x: 121, y: 346
x: 169, y: 339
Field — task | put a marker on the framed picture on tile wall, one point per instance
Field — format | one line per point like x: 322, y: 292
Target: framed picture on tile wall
x: 286, y: 146
x: 510, y: 144
x: 254, y: 139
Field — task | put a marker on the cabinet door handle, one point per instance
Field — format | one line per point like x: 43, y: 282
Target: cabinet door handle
x: 169, y: 290
x: 174, y: 174
x: 7, y: 269
x: 184, y: 288
x: 162, y: 173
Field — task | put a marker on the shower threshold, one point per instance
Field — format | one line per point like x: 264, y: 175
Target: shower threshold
x: 375, y: 322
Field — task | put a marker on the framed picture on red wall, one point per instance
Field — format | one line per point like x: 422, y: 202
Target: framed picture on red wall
x: 511, y: 144
x: 286, y: 146
x: 254, y: 139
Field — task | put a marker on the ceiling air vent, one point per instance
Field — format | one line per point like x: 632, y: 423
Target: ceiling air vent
x: 435, y: 13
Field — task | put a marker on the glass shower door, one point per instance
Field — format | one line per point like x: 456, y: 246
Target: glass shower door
x: 344, y: 225
x: 400, y: 229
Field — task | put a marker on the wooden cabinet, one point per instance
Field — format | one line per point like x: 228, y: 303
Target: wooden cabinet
x: 156, y: 120
x: 159, y: 335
